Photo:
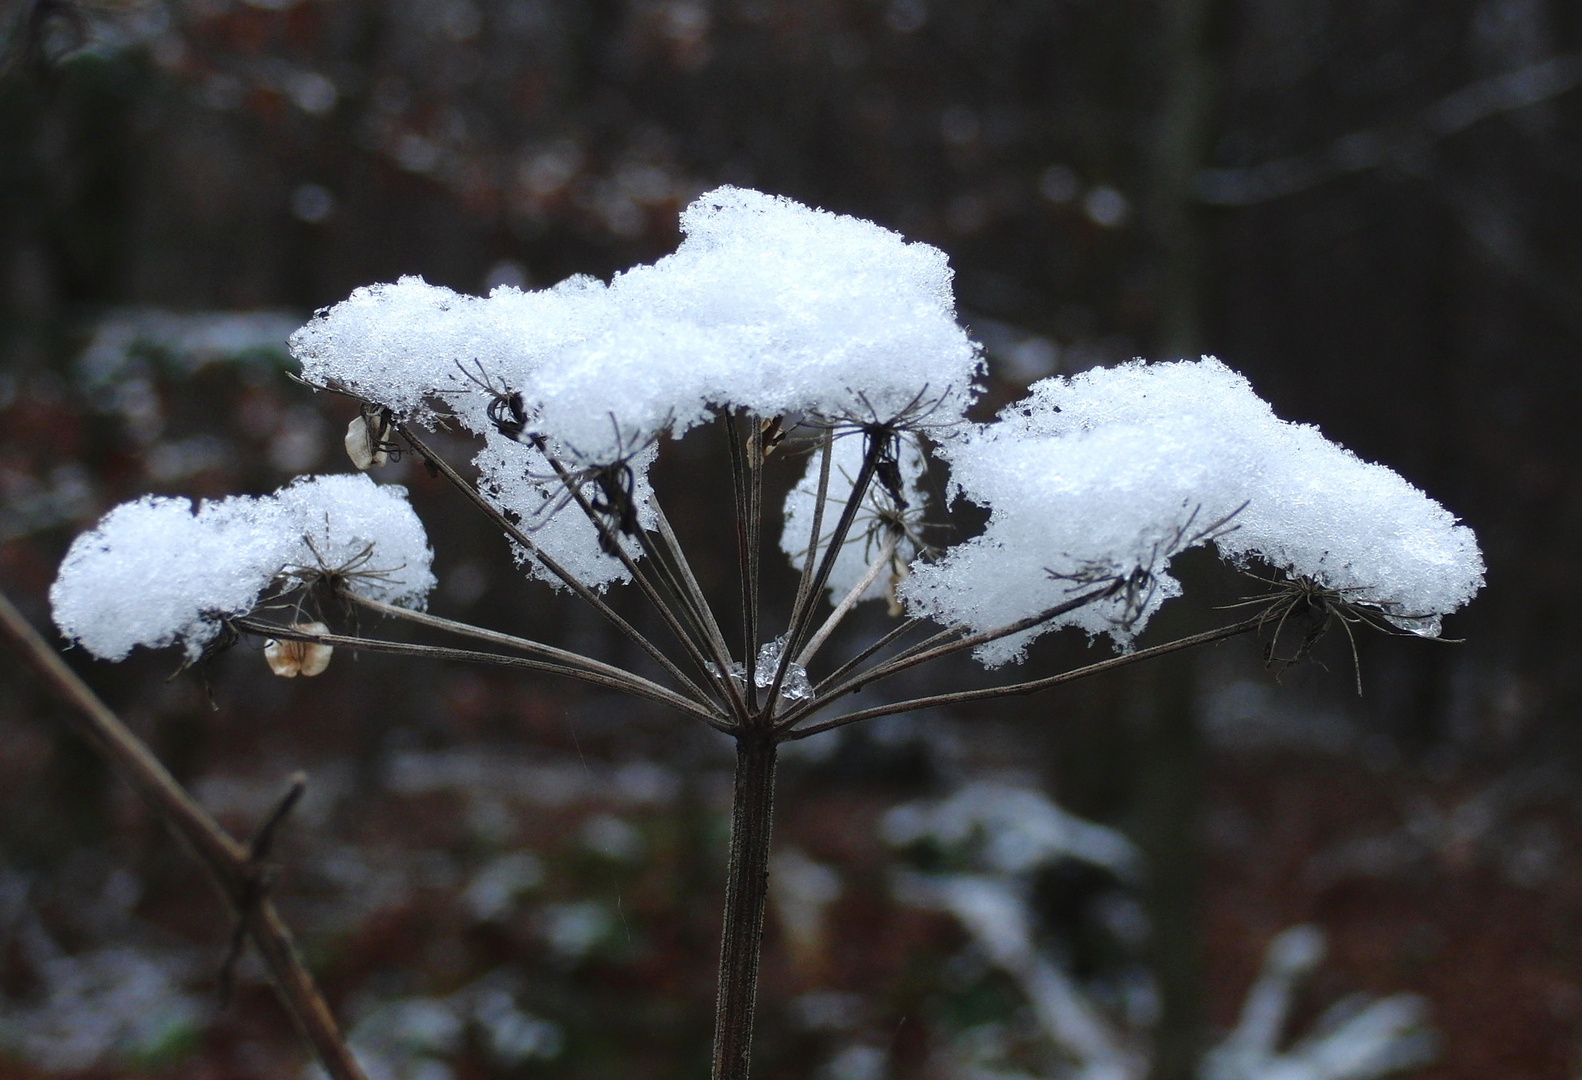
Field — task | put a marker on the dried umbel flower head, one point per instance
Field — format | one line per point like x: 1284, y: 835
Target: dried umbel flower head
x: 160, y: 571
x: 1108, y: 475
x: 288, y: 659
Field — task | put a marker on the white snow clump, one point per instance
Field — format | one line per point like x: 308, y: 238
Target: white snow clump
x: 1103, y: 478
x: 1011, y: 830
x: 767, y: 305
x: 155, y: 571
x: 410, y: 345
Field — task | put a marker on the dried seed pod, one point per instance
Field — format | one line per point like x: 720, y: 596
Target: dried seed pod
x: 368, y: 439
x: 507, y: 409
x: 288, y: 659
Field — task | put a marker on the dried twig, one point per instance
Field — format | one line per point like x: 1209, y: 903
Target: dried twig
x: 826, y: 452
x: 232, y: 867
x: 941, y: 644
x: 1309, y: 601
x: 564, y: 661
x: 1392, y: 144
x: 259, y: 879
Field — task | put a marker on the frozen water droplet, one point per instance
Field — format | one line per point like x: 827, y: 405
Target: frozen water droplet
x: 768, y: 660
x: 1427, y: 626
x: 795, y: 686
x: 737, y: 673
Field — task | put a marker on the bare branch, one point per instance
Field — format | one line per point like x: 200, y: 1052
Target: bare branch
x: 227, y: 862
x: 743, y: 504
x: 677, y: 577
x: 826, y: 454
x: 667, y: 535
x: 906, y: 626
x: 610, y: 542
x: 801, y: 614
x: 259, y: 878
x: 755, y: 528
x: 1384, y: 145
x: 683, y: 580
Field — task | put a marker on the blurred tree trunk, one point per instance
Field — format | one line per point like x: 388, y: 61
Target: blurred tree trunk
x: 1168, y: 775
x: 1177, y: 149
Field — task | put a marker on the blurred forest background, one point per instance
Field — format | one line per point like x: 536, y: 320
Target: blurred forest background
x: 1373, y: 208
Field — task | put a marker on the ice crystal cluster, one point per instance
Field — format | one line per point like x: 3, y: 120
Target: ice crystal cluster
x: 158, y: 571
x: 1092, y: 484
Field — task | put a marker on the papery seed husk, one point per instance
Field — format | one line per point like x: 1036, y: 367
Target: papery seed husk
x: 288, y: 659
x: 362, y: 447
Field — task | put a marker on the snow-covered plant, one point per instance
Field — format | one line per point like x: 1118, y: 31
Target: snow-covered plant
x: 1357, y: 1038
x: 817, y: 341
x: 1001, y: 835
x: 156, y: 571
x: 126, y: 1003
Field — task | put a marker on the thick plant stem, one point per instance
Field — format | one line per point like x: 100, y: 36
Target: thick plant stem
x: 746, y: 890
